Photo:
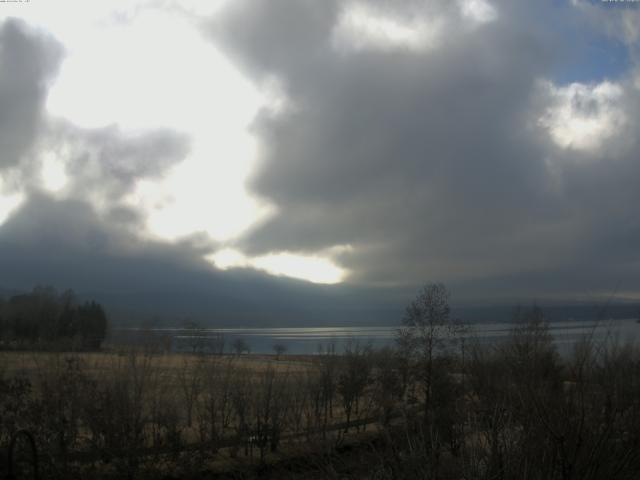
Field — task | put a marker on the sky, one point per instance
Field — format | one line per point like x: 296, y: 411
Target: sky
x: 237, y: 147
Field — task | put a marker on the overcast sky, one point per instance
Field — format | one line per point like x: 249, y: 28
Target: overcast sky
x: 488, y: 144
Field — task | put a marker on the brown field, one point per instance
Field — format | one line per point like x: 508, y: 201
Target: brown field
x: 29, y: 363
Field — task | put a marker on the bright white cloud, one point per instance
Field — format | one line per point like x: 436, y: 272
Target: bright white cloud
x: 228, y: 258
x: 75, y: 21
x: 199, y: 196
x: 9, y: 202
x: 153, y: 69
x: 53, y: 173
x: 199, y: 7
x: 479, y: 11
x: 362, y: 27
x: 313, y: 268
x: 365, y: 27
x: 581, y: 116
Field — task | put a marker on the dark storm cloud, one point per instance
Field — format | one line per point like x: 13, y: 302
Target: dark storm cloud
x: 28, y: 61
x: 432, y: 164
x: 67, y: 244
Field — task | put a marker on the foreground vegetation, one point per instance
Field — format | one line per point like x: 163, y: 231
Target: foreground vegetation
x: 435, y: 406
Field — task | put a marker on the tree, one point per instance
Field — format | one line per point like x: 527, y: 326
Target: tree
x: 240, y: 346
x: 531, y: 352
x: 426, y: 330
x: 4, y: 326
x: 190, y: 378
x: 354, y: 377
x: 92, y: 323
x: 279, y: 349
x: 194, y: 335
x: 44, y: 316
x: 388, y: 381
x: 68, y: 319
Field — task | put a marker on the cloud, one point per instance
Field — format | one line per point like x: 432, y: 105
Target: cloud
x: 619, y: 21
x: 29, y: 60
x: 315, y: 269
x: 147, y: 71
x: 405, y: 142
x: 68, y: 244
x: 584, y: 117
x: 39, y: 151
x: 105, y: 164
x: 479, y: 11
x: 362, y: 27
x: 439, y: 163
x: 71, y: 212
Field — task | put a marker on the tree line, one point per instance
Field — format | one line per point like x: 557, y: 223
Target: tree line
x: 45, y: 318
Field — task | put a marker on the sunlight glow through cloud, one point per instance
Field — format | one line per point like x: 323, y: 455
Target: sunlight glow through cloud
x: 164, y: 82
x: 196, y: 197
x: 316, y: 269
x: 312, y: 268
x: 54, y: 176
x: 161, y: 80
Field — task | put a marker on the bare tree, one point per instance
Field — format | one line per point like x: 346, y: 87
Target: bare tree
x: 190, y: 379
x: 354, y: 377
x: 388, y: 386
x: 194, y: 335
x: 240, y: 346
x: 215, y: 408
x: 327, y: 363
x: 279, y: 349
x: 426, y: 332
x: 216, y: 343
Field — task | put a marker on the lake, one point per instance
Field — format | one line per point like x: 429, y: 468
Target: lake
x: 308, y: 340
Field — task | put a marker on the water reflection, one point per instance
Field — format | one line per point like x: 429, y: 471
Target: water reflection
x: 306, y: 340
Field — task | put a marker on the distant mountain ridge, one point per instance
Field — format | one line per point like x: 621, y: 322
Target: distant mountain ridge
x: 307, y: 305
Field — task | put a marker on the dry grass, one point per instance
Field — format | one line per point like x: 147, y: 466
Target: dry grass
x: 27, y: 363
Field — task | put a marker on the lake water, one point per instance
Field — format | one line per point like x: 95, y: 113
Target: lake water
x: 308, y: 340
